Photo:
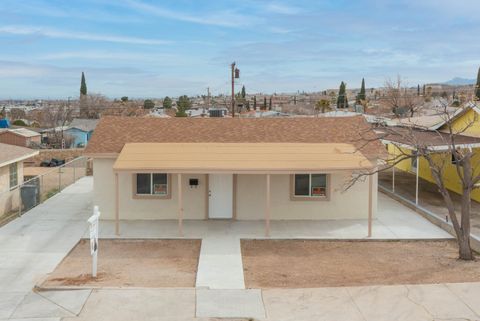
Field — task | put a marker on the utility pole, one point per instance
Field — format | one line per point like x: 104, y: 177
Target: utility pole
x: 208, y: 97
x: 235, y: 74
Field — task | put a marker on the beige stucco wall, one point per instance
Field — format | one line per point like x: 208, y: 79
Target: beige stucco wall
x: 9, y: 199
x: 250, y: 198
x: 145, y: 209
x: 350, y: 204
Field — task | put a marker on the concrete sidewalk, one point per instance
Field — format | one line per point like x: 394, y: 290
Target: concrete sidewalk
x: 434, y: 302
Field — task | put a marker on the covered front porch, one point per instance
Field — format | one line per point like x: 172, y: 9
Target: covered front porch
x: 255, y: 181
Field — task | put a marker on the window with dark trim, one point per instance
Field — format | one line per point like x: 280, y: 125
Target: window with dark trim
x: 152, y: 184
x: 310, y: 185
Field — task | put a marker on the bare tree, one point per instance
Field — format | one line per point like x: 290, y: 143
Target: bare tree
x: 57, y: 117
x: 398, y: 97
x: 410, y: 142
x: 95, y: 104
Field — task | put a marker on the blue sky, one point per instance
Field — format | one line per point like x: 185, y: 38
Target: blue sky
x: 145, y: 48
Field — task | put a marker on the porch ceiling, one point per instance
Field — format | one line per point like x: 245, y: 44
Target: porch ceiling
x: 248, y: 158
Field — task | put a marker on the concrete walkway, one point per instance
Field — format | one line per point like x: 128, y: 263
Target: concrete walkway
x: 428, y: 196
x: 32, y: 246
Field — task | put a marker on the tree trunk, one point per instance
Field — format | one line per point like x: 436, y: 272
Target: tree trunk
x: 464, y: 249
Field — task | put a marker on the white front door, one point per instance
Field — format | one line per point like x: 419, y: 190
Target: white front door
x: 220, y: 204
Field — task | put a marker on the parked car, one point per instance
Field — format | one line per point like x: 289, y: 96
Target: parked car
x: 52, y: 163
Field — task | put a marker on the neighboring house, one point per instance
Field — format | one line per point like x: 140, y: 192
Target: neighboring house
x: 233, y: 168
x: 11, y: 174
x: 433, y: 130
x: 20, y: 137
x: 4, y: 123
x: 81, y: 130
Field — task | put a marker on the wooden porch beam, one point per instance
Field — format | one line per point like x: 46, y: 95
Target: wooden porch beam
x: 370, y: 204
x: 267, y: 207
x: 117, y: 206
x: 180, y: 205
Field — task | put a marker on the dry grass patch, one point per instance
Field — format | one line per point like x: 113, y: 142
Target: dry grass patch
x: 318, y: 263
x: 130, y: 263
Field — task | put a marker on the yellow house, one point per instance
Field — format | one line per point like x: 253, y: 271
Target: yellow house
x: 434, y: 132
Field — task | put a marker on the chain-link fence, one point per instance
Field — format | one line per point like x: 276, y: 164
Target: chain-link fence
x: 36, y: 190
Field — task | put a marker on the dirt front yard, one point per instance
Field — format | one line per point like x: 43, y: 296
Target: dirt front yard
x: 130, y: 263
x: 318, y: 263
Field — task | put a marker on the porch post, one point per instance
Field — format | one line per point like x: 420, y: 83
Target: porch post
x: 416, y: 183
x: 267, y: 207
x: 117, y: 206
x: 393, y: 170
x: 370, y: 204
x: 180, y: 205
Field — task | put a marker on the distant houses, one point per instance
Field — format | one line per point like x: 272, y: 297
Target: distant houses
x: 81, y: 131
x: 20, y: 137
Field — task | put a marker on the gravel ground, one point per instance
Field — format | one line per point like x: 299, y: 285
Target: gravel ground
x: 318, y: 263
x: 130, y: 263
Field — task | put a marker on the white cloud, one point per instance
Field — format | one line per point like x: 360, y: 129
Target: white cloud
x: 221, y: 18
x: 281, y: 8
x: 55, y: 33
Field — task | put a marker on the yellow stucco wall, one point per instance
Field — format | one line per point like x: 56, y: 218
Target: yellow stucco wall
x: 467, y: 124
x: 451, y: 178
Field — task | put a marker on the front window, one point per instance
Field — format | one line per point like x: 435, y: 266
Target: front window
x: 13, y: 170
x: 310, y: 185
x: 152, y: 184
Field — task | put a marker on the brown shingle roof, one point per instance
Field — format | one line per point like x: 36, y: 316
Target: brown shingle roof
x: 417, y: 137
x: 112, y: 133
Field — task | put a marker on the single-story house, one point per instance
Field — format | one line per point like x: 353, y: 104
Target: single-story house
x: 434, y: 132
x: 233, y: 168
x: 81, y: 131
x: 21, y: 137
x: 11, y: 175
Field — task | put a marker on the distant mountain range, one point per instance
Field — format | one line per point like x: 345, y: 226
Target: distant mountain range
x: 457, y: 81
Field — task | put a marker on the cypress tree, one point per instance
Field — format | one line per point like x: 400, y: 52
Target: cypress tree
x: 244, y: 93
x: 265, y: 103
x: 83, y: 86
x: 254, y: 102
x: 423, y: 90
x: 418, y: 90
x: 342, y: 97
x: 362, y: 95
x: 477, y: 87
x: 270, y: 103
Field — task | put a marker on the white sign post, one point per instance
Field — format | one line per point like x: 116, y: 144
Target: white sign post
x: 93, y: 220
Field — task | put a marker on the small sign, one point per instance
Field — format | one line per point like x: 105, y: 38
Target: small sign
x: 93, y: 220
x: 318, y: 191
x: 160, y: 189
